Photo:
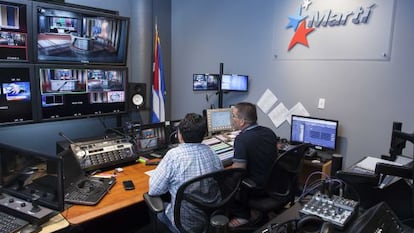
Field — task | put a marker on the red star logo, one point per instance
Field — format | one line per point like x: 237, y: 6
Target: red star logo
x: 300, y: 35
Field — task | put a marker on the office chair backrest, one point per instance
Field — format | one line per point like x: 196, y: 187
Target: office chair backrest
x: 203, y: 196
x: 282, y: 180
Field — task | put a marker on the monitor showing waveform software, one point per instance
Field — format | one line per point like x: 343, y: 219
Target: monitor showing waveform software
x: 321, y: 133
x: 219, y: 120
x: 234, y: 82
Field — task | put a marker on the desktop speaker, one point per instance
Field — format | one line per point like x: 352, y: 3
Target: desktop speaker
x: 136, y: 96
x: 336, y: 163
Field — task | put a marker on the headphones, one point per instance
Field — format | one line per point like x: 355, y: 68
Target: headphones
x: 306, y: 224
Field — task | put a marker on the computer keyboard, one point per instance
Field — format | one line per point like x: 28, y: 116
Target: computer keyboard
x: 89, y: 191
x: 10, y: 223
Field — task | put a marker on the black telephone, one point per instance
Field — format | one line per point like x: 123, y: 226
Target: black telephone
x: 311, y: 153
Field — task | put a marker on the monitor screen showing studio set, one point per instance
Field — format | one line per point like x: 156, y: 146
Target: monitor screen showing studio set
x: 205, y: 82
x: 321, y: 133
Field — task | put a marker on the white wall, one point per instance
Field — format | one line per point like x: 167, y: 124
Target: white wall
x: 365, y: 96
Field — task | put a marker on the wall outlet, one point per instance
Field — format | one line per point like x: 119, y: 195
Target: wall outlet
x: 321, y: 103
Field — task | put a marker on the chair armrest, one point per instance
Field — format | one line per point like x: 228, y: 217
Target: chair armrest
x: 154, y: 203
x: 249, y: 183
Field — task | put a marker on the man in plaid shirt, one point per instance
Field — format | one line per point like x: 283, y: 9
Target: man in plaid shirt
x: 189, y: 159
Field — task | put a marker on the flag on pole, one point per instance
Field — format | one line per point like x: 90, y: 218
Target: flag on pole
x: 158, y: 86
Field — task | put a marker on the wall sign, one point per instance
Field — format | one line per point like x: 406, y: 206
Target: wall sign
x: 334, y: 29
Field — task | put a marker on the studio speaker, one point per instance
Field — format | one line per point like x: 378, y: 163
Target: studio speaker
x: 336, y: 163
x: 136, y: 96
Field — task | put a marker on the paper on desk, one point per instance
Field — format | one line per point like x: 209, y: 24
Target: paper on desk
x: 150, y: 172
x: 369, y: 163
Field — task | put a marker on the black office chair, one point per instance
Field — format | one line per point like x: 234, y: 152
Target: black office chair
x: 205, y: 197
x: 280, y: 188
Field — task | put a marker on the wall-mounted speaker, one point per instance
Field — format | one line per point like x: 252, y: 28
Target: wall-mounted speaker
x: 136, y: 96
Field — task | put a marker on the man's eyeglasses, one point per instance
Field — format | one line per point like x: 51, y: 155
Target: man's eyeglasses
x: 235, y: 116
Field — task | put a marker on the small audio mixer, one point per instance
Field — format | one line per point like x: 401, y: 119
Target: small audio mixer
x: 335, y: 209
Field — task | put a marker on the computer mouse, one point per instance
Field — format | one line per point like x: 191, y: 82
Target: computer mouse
x: 31, y: 229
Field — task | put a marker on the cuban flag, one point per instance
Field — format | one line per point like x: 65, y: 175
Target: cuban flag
x: 158, y: 86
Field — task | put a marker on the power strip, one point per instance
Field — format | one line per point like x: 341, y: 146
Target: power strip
x: 335, y: 209
x: 24, y: 209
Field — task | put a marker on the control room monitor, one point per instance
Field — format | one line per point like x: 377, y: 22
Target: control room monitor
x: 219, y: 120
x: 321, y: 133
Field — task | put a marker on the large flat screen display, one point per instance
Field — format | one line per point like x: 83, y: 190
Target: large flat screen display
x: 235, y: 82
x: 14, y: 32
x: 16, y: 94
x: 205, y: 82
x: 68, y: 34
x: 75, y: 91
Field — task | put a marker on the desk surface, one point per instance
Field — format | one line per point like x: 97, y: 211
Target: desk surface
x: 117, y: 198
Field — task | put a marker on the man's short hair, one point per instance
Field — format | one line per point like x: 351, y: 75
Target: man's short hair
x: 193, y: 128
x: 247, y: 111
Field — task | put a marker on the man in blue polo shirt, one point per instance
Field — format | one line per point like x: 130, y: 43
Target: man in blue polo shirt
x: 255, y: 149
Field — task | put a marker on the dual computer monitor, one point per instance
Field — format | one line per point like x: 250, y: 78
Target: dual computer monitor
x: 227, y: 82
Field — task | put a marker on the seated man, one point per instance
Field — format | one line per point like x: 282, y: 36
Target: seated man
x: 255, y: 149
x: 189, y: 159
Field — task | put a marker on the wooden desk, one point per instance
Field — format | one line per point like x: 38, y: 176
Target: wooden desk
x: 116, y: 199
x: 310, y: 167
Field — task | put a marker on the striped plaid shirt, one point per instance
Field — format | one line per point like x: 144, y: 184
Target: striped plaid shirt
x: 180, y: 164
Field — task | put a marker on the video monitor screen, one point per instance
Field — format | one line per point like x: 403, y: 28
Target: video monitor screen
x: 151, y: 137
x: 16, y: 95
x: 321, y: 133
x: 219, y: 120
x: 234, y: 82
x: 70, y: 92
x: 30, y: 175
x: 67, y: 34
x: 205, y: 82
x: 14, y: 34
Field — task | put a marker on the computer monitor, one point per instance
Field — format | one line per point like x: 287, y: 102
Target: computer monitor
x: 151, y: 137
x: 15, y: 31
x: 397, y: 143
x: 172, y: 130
x: 219, y: 120
x: 321, y: 133
x: 235, y: 82
x: 205, y: 82
x: 32, y: 176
